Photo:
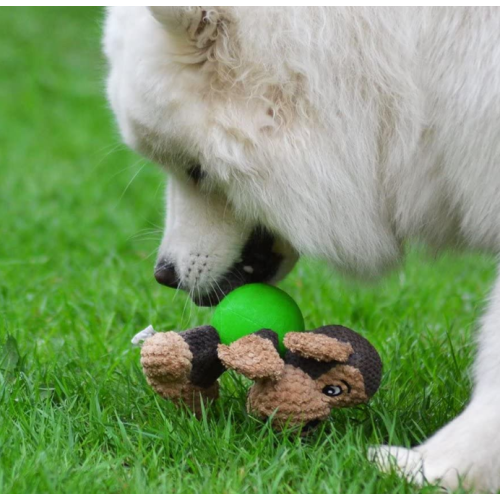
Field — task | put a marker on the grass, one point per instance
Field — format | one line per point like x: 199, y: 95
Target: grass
x: 79, y: 228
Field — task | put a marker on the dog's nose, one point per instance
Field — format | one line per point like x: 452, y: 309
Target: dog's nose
x: 166, y: 274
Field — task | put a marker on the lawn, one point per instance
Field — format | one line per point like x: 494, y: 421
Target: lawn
x: 81, y: 219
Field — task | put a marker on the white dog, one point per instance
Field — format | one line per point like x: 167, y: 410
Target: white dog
x: 335, y: 133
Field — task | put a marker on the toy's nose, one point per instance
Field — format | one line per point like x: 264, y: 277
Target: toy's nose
x: 306, y: 428
x: 166, y: 274
x: 310, y: 426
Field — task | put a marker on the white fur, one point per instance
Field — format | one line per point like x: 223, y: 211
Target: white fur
x: 346, y: 132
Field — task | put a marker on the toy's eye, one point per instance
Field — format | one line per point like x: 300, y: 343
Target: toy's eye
x: 332, y: 390
x: 196, y: 173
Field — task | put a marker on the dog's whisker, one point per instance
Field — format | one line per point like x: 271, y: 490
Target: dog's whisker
x: 108, y: 150
x: 146, y: 239
x: 132, y: 179
x: 186, y: 301
x: 220, y: 290
x: 147, y: 231
x: 160, y: 228
x: 110, y: 147
x: 116, y: 174
x: 210, y: 295
x: 215, y: 293
x: 237, y: 273
x: 150, y: 254
x: 160, y: 185
x: 177, y: 288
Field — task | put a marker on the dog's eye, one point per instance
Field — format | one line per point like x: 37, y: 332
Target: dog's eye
x: 196, y: 173
x: 332, y: 390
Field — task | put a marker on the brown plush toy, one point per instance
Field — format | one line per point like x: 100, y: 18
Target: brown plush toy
x: 329, y: 367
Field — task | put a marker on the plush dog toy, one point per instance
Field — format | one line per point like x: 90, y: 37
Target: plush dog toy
x: 329, y: 367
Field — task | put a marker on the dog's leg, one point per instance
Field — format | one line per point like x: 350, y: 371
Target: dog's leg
x: 467, y: 450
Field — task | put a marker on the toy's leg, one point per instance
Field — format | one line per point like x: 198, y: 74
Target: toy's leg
x: 467, y: 450
x: 183, y: 366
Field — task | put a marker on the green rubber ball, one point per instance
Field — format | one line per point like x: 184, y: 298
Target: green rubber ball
x: 254, y: 307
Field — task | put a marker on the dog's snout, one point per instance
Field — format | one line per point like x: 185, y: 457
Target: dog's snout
x: 166, y: 274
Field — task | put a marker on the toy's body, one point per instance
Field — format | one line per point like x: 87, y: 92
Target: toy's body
x: 183, y: 366
x: 330, y: 367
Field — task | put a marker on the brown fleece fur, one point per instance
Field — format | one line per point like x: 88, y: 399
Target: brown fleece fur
x: 318, y: 346
x: 166, y: 357
x: 185, y: 393
x: 293, y: 399
x: 296, y: 398
x: 167, y: 362
x: 294, y: 391
x: 194, y: 397
x: 252, y: 356
x: 353, y: 394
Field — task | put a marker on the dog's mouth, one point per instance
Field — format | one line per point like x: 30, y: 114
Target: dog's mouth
x: 259, y: 263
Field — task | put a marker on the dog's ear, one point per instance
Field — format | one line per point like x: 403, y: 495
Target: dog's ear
x: 254, y: 356
x: 197, y: 25
x: 317, y: 346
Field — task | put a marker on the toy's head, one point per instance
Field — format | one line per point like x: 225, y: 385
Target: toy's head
x: 330, y: 367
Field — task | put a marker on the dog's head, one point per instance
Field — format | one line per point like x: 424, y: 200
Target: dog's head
x: 160, y: 89
x: 269, y: 125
